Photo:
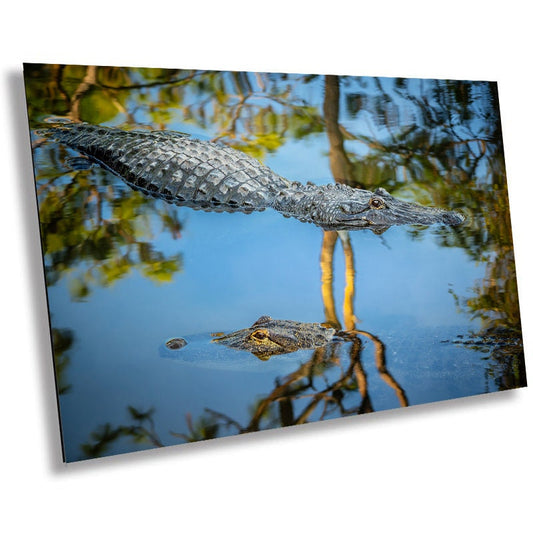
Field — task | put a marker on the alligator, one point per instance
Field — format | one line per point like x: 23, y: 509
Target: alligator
x: 204, y: 175
x: 267, y: 337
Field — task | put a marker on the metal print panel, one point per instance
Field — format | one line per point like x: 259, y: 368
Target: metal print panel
x: 228, y: 252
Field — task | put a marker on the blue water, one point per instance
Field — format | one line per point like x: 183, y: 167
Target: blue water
x: 234, y: 268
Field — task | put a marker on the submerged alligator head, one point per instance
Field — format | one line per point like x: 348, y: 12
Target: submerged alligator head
x: 267, y: 337
x: 340, y: 207
x: 213, y: 177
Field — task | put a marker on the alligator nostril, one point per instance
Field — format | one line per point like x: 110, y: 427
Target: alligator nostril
x: 175, y: 344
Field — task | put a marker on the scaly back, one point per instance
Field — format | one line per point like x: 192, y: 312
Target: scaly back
x: 176, y: 168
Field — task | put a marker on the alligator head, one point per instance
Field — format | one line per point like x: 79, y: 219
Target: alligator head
x: 340, y: 207
x: 267, y: 337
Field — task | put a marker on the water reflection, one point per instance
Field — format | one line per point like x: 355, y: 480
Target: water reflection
x: 62, y: 342
x: 300, y: 387
x: 327, y: 384
x: 308, y: 391
x: 101, y: 231
x: 211, y: 177
x: 435, y: 142
x: 455, y: 151
x: 350, y: 320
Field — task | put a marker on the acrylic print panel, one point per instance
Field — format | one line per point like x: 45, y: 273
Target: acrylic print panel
x: 196, y: 290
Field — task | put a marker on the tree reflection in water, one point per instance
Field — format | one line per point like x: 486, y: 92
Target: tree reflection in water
x: 451, y: 153
x: 307, y: 394
x: 431, y: 141
x: 309, y: 387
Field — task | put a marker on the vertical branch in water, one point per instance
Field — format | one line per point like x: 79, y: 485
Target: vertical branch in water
x: 326, y: 267
x: 88, y: 81
x: 342, y: 170
x: 341, y: 167
x: 381, y: 365
x: 349, y: 289
x: 360, y: 378
x: 55, y: 82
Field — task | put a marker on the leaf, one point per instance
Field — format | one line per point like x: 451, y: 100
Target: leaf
x: 96, y: 107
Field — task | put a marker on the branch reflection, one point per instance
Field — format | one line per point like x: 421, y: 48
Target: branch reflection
x: 424, y: 140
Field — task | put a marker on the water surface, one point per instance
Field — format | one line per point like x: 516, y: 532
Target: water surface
x: 436, y: 307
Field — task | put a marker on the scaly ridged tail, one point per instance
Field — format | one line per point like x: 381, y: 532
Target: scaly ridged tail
x: 174, y: 167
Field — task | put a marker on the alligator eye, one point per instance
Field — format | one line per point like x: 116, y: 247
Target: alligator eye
x: 259, y: 335
x: 345, y: 208
x: 376, y: 203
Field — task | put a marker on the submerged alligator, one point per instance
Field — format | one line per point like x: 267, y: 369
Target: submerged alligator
x: 212, y: 177
x: 268, y: 336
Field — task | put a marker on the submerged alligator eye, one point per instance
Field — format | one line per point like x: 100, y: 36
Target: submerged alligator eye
x: 377, y: 203
x: 259, y: 335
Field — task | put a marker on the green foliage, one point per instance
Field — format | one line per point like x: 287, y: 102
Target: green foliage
x: 93, y: 231
x: 97, y: 108
x: 141, y: 431
x: 448, y: 151
x: 97, y: 234
x: 62, y: 342
x: 430, y: 141
x: 204, y: 428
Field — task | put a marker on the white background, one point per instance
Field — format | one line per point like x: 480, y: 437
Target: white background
x: 463, y: 465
